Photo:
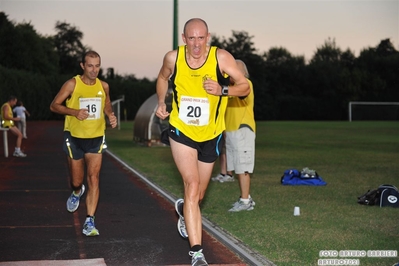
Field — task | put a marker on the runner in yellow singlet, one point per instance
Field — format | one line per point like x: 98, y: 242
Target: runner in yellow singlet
x: 86, y: 102
x: 199, y: 75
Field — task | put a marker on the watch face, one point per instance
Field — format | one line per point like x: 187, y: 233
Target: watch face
x: 225, y: 90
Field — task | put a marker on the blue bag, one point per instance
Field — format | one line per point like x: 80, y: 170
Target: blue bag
x: 293, y: 177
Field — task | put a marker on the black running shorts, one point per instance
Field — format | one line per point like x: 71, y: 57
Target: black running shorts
x: 208, y: 151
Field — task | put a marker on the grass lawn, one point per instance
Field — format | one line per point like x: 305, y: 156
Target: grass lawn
x: 351, y: 157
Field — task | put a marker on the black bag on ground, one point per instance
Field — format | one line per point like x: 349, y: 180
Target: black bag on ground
x: 371, y: 198
x: 384, y: 196
x: 389, y: 196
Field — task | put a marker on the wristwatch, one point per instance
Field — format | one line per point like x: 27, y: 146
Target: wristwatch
x: 225, y: 90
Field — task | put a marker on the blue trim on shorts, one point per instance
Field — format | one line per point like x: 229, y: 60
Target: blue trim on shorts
x: 217, y: 144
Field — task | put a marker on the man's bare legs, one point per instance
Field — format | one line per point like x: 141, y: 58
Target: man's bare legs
x: 245, y: 184
x: 17, y: 152
x: 223, y: 164
x: 93, y: 161
x: 195, y: 175
x: 245, y: 202
x: 76, y: 170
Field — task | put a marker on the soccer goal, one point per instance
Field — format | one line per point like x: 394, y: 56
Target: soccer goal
x: 383, y: 111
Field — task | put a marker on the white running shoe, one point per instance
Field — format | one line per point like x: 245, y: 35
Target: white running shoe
x: 198, y: 258
x: 181, y: 225
x: 238, y: 201
x: 89, y: 229
x: 73, y: 200
x: 217, y: 178
x: 226, y: 178
x: 241, y: 206
x: 19, y: 154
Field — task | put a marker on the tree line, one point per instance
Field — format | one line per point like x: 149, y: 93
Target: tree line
x: 287, y: 87
x: 34, y: 67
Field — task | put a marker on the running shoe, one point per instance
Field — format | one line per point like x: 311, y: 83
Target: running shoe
x: 226, y: 178
x: 217, y: 178
x: 89, y: 229
x: 73, y: 200
x: 241, y: 206
x: 181, y: 225
x: 197, y: 258
x: 238, y: 201
x: 19, y: 154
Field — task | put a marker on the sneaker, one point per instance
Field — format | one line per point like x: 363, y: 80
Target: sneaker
x: 89, y: 229
x: 73, y: 200
x: 19, y: 154
x: 197, y: 258
x: 241, y: 206
x: 238, y: 201
x: 217, y: 178
x: 181, y: 225
x: 226, y: 178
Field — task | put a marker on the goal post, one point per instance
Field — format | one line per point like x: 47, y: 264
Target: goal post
x: 373, y: 111
x: 116, y: 108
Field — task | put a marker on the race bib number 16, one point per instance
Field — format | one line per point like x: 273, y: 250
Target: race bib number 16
x: 194, y: 110
x: 93, y: 105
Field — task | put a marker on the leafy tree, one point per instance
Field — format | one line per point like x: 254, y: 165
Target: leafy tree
x: 241, y: 46
x: 284, y: 75
x: 283, y: 71
x: 380, y: 66
x: 21, y: 47
x: 385, y: 48
x: 328, y: 52
x: 68, y: 44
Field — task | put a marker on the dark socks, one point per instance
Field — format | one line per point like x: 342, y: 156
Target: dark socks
x: 196, y: 248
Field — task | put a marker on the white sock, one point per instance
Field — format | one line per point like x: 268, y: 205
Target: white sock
x: 245, y: 201
x: 17, y: 149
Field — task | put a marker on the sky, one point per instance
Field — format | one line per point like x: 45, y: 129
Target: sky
x: 132, y: 36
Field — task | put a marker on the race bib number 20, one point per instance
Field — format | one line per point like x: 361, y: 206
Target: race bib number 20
x: 194, y: 110
x: 93, y: 105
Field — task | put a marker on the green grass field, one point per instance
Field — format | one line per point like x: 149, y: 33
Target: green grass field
x: 351, y: 157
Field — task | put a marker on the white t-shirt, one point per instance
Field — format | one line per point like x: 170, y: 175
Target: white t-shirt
x: 20, y: 111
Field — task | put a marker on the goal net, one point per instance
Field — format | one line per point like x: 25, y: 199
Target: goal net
x: 383, y: 111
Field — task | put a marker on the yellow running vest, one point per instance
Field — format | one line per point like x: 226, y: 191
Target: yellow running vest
x: 241, y: 111
x: 199, y: 115
x: 7, y: 123
x: 91, y: 97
